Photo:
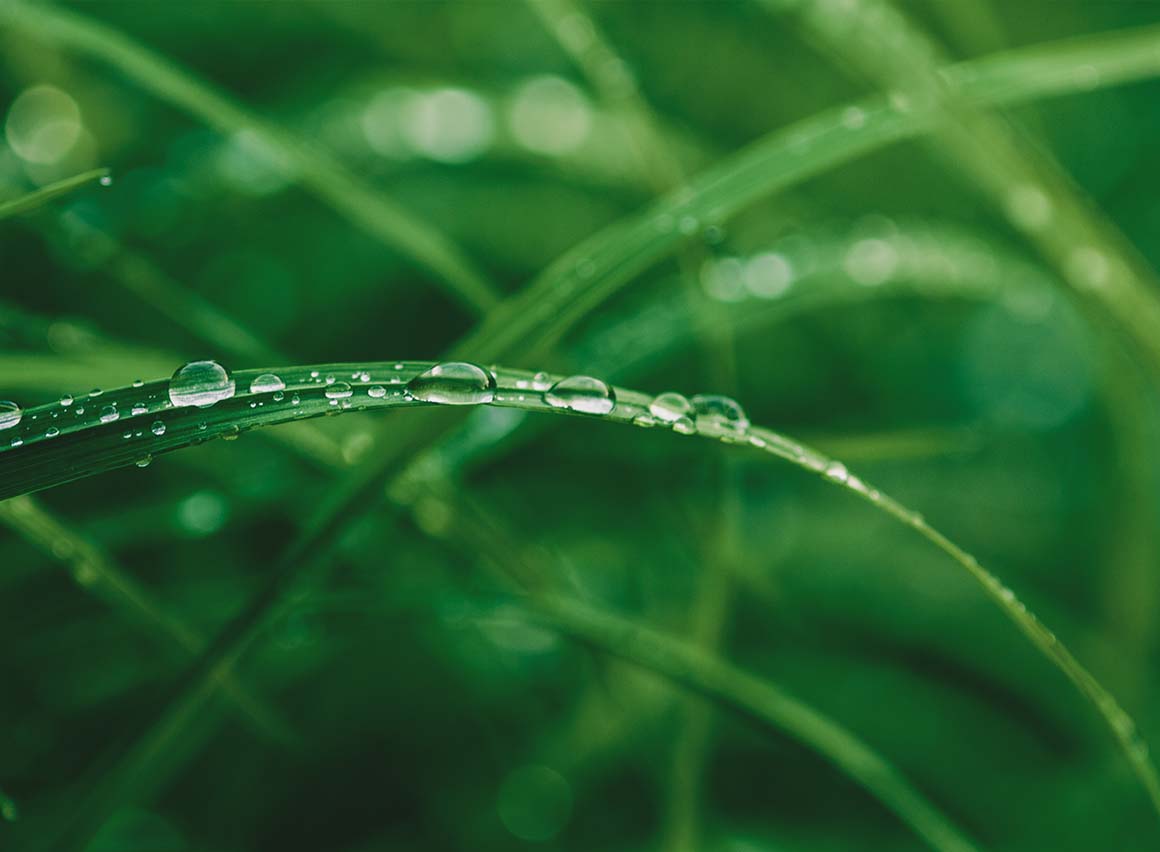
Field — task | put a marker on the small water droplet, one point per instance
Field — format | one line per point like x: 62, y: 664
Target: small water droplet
x: 670, y: 407
x: 109, y: 414
x: 138, y: 383
x: 66, y: 400
x: 278, y: 396
x: 144, y: 461
x: 139, y: 408
x: 719, y: 415
x: 294, y: 400
x: 10, y: 414
x: 106, y: 180
x: 337, y: 390
x: 684, y: 426
x: 541, y: 382
x: 267, y: 383
x: 330, y: 380
x: 158, y: 428
x: 453, y: 383
x: 201, y: 384
x: 836, y: 471
x: 376, y: 391
x: 18, y: 441
x: 51, y: 432
x: 584, y: 394
x: 96, y: 392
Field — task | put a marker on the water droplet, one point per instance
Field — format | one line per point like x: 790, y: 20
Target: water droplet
x: 200, y: 383
x: 453, y: 383
x: 719, y: 415
x: 294, y: 400
x: 337, y: 390
x: 144, y: 461
x: 541, y: 382
x: 66, y: 400
x: 158, y: 428
x: 138, y: 383
x: 267, y: 383
x: 139, y: 408
x: 51, y: 432
x: 109, y: 414
x: 684, y: 426
x: 106, y: 180
x: 670, y: 407
x: 278, y: 396
x: 836, y: 471
x: 18, y: 441
x: 583, y: 394
x: 10, y: 414
x: 376, y: 391
x: 330, y: 380
x: 96, y: 392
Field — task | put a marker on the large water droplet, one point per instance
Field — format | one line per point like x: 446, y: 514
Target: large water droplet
x: 670, y: 407
x: 158, y: 428
x: 453, y: 383
x: 109, y: 413
x: 200, y: 383
x: 338, y: 390
x: 267, y: 383
x: 10, y: 414
x: 719, y: 415
x: 581, y: 393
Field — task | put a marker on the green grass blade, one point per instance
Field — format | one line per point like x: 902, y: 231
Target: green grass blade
x: 87, y: 446
x: 33, y: 200
x: 96, y: 572
x: 740, y: 691
x: 369, y: 210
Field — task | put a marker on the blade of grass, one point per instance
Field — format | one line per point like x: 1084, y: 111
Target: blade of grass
x: 95, y: 572
x: 34, y: 200
x: 708, y: 675
x: 331, y: 182
x: 92, y: 446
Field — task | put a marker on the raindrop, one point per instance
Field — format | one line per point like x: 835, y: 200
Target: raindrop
x: 139, y: 408
x: 267, y: 383
x: 583, y: 394
x: 278, y: 396
x: 66, y: 400
x: 51, y: 432
x: 719, y: 415
x: 541, y: 382
x: 453, y: 383
x: 10, y: 414
x: 376, y: 391
x: 109, y: 414
x: 200, y: 383
x: 18, y: 441
x: 338, y: 390
x: 836, y: 471
x: 144, y: 461
x: 96, y: 392
x: 138, y: 383
x: 106, y: 180
x: 670, y: 407
x: 158, y: 428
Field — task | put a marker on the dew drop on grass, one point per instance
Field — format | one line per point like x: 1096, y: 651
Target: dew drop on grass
x: 201, y: 384
x: 138, y: 408
x: 670, y: 407
x: 144, y: 461
x: 109, y: 414
x: 106, y: 180
x: 158, y: 428
x: 584, y: 394
x: 338, y: 390
x: 66, y: 400
x: 267, y: 383
x: 836, y: 472
x: 719, y: 415
x: 376, y: 391
x: 453, y: 383
x: 51, y: 432
x: 10, y: 414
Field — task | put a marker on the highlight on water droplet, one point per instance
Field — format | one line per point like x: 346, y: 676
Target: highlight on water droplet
x: 10, y: 414
x: 453, y: 383
x: 719, y: 415
x: 670, y: 407
x: 583, y: 394
x: 267, y: 383
x: 201, y: 384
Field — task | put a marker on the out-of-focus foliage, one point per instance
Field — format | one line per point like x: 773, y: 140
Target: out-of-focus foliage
x: 883, y: 309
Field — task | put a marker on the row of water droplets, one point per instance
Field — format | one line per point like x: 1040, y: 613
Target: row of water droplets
x: 204, y: 384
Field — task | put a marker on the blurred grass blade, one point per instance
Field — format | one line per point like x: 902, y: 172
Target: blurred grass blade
x: 33, y: 200
x: 322, y: 175
x: 744, y: 693
x: 94, y: 571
